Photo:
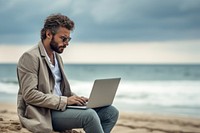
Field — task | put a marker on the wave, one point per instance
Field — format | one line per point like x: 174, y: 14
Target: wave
x: 9, y: 87
x: 9, y: 81
x: 160, y: 94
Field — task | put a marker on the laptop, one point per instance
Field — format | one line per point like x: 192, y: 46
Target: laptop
x: 102, y: 94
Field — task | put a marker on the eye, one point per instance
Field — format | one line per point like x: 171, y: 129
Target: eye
x: 65, y: 39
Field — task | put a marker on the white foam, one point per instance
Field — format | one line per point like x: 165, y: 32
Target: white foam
x: 161, y: 93
x: 152, y: 93
x: 10, y: 88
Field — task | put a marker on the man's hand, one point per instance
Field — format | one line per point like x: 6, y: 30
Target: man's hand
x: 76, y: 100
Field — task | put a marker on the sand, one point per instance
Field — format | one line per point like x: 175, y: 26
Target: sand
x: 127, y: 123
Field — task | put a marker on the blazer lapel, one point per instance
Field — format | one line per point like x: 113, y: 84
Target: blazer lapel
x: 43, y: 55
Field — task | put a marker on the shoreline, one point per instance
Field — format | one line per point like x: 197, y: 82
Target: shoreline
x: 128, y: 122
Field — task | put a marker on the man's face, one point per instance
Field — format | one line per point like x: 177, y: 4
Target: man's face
x: 60, y: 40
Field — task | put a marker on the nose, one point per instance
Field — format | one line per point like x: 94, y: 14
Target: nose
x: 66, y: 43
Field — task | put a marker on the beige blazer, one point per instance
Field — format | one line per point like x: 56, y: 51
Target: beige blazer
x: 36, y: 83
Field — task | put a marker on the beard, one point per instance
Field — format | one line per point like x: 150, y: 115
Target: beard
x: 55, y: 47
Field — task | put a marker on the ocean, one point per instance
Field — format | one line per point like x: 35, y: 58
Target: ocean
x: 149, y: 88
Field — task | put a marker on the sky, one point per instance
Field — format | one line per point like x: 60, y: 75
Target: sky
x: 108, y: 31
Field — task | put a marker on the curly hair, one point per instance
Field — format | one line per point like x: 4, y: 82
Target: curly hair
x: 53, y: 22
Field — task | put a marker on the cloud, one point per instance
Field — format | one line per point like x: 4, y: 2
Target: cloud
x: 103, y: 20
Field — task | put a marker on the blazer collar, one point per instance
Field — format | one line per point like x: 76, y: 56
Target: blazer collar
x: 43, y: 54
x: 41, y: 49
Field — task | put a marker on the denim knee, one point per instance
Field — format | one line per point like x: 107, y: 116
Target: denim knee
x: 92, y: 122
x: 115, y: 113
x: 91, y: 115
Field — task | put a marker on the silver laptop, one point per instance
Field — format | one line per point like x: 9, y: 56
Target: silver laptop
x: 102, y: 94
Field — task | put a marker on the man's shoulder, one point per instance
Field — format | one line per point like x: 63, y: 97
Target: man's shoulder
x: 30, y: 54
x: 34, y: 51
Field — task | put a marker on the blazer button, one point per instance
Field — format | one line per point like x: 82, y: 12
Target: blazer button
x: 51, y: 91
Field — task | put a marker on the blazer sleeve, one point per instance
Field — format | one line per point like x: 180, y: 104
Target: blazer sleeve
x: 27, y: 71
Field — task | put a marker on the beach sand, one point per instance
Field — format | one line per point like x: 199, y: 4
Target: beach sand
x: 127, y: 123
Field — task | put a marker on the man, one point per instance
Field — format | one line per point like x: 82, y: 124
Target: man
x: 44, y: 92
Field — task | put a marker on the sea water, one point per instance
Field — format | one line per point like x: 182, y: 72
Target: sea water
x: 152, y: 88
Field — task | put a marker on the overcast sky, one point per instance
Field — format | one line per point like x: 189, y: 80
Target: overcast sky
x: 107, y: 31
x: 103, y: 20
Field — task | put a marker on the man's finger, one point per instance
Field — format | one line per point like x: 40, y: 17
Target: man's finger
x: 81, y: 101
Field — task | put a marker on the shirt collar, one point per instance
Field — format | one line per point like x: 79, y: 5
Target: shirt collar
x: 48, y: 56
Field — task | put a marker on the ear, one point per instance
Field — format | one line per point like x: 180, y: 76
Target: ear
x: 49, y: 34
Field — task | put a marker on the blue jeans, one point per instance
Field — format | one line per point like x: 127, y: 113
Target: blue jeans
x: 99, y: 120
